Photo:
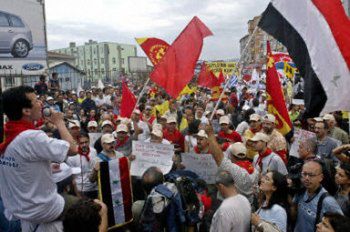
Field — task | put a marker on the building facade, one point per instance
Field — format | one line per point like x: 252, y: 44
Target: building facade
x: 105, y: 60
x: 255, y: 52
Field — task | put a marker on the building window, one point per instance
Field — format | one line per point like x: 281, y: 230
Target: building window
x: 114, y: 69
x: 9, y: 81
x: 95, y: 71
x: 113, y: 60
x: 95, y: 61
x: 88, y: 62
x: 122, y: 59
x: 102, y: 71
x: 102, y: 60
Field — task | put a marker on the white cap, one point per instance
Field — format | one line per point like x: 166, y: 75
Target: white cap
x: 106, y: 122
x: 224, y: 120
x: 220, y: 112
x: 49, y: 98
x: 148, y: 107
x: 92, y: 124
x: 238, y: 149
x: 298, y: 102
x: 202, y: 133
x: 157, y: 126
x: 318, y: 119
x: 64, y: 172
x: 270, y: 118
x: 171, y: 119
x: 157, y: 132
x: 137, y: 111
x: 260, y: 137
x: 107, y: 138
x: 329, y: 117
x: 254, y: 117
x: 245, y: 107
x: 73, y: 123
x: 122, y: 127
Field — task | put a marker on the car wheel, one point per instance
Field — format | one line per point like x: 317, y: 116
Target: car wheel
x: 20, y: 48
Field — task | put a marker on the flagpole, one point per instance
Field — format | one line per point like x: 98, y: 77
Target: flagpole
x: 239, y: 61
x: 141, y: 93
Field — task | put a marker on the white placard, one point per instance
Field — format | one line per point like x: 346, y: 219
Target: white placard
x: 151, y: 154
x: 299, y: 135
x: 202, y: 164
x: 93, y: 137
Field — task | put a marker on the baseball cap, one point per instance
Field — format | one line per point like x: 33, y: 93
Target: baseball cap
x: 260, y: 137
x: 238, y: 149
x: 329, y: 117
x: 171, y: 120
x: 64, y: 172
x: 220, y: 112
x: 254, y: 117
x: 122, y: 127
x: 49, y: 98
x: 157, y: 132
x: 92, y: 124
x: 137, y: 111
x: 73, y: 123
x: 270, y: 118
x: 318, y: 119
x: 107, y: 138
x: 106, y: 122
x: 157, y: 126
x: 224, y: 120
x: 202, y: 133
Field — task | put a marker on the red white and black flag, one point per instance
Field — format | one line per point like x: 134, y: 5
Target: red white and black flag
x: 317, y: 36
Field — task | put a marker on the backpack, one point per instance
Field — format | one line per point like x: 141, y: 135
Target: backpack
x: 162, y: 210
x: 192, y: 206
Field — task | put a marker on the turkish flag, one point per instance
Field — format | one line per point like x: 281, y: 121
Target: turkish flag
x: 128, y: 102
x: 175, y: 70
x: 221, y: 78
x: 206, y: 77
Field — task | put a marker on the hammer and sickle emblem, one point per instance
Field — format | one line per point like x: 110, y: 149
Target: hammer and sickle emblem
x: 160, y: 53
x: 270, y: 62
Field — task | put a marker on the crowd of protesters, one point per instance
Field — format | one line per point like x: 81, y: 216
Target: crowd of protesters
x: 48, y: 177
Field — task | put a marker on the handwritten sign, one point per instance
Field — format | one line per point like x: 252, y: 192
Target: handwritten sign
x: 227, y: 68
x: 299, y: 135
x: 202, y: 164
x: 151, y: 154
x: 93, y: 137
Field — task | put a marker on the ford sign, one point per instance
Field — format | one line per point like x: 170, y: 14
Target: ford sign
x: 32, y: 67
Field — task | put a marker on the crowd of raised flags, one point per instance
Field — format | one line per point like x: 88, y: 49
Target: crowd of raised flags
x: 279, y: 165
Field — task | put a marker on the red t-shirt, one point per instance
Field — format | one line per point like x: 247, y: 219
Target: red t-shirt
x: 234, y: 137
x: 175, y: 138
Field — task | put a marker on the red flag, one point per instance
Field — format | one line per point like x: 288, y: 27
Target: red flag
x: 206, y: 77
x: 176, y: 68
x: 221, y: 78
x: 154, y: 48
x: 276, y: 104
x: 128, y: 102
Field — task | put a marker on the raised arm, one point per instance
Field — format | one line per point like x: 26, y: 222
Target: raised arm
x: 214, y: 147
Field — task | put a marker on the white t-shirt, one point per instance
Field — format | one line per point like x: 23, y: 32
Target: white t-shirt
x: 233, y: 215
x: 99, y: 101
x: 27, y: 188
x: 146, y: 133
x: 83, y: 180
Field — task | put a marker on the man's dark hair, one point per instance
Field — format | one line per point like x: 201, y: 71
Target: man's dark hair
x: 54, y: 74
x: 325, y: 124
x: 14, y: 100
x: 339, y: 222
x: 82, y: 216
x: 83, y: 134
x: 225, y: 178
x: 42, y: 77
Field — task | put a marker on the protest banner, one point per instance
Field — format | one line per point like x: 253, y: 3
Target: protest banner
x: 202, y: 164
x: 151, y: 154
x: 227, y: 68
x: 114, y: 188
x: 93, y: 137
x: 299, y: 135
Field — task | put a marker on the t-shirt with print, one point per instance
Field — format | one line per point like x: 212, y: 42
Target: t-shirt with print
x: 27, y: 189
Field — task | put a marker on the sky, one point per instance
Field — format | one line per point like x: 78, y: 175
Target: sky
x: 122, y: 21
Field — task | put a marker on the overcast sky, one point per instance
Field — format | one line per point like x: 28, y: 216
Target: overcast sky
x: 122, y: 21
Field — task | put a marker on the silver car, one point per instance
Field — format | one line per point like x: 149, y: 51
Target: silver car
x: 15, y: 35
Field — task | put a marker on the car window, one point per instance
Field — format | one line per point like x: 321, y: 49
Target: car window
x: 3, y: 20
x: 16, y: 22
